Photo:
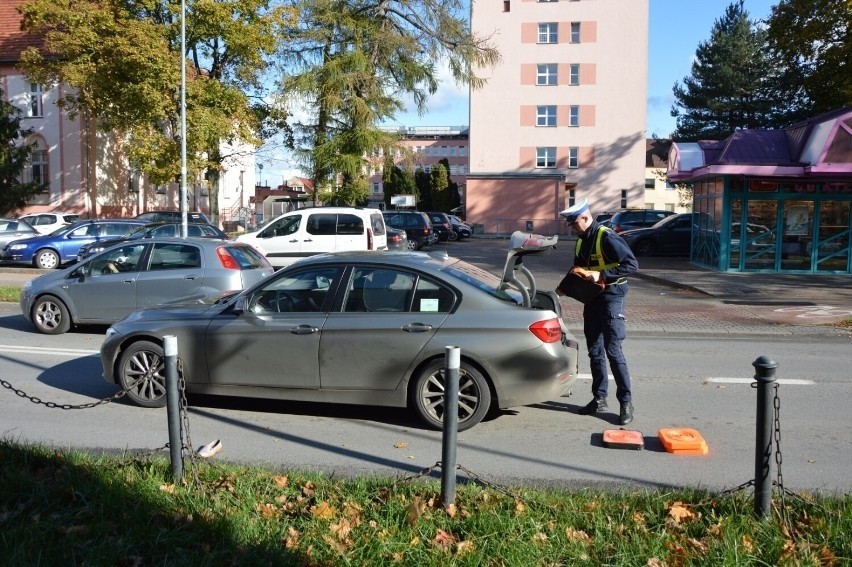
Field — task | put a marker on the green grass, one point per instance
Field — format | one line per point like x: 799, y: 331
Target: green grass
x: 69, y: 508
x: 10, y: 293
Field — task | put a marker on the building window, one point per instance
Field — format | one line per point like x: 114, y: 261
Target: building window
x: 574, y: 74
x: 36, y: 107
x: 649, y: 183
x: 574, y: 115
x: 461, y: 170
x: 506, y: 5
x: 575, y: 32
x: 462, y: 151
x: 546, y: 74
x: 454, y: 150
x: 133, y: 183
x: 545, y: 157
x: 548, y: 33
x: 669, y: 207
x: 375, y: 187
x: 624, y: 198
x: 38, y: 168
x: 545, y: 116
x: 572, y: 197
x: 573, y: 157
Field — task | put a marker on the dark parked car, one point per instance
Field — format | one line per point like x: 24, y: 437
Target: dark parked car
x: 417, y: 227
x: 50, y: 251
x: 461, y: 228
x: 397, y: 239
x: 15, y: 229
x: 636, y: 218
x: 154, y: 230
x: 312, y: 332
x: 173, y: 216
x: 442, y: 226
x: 671, y: 236
x: 112, y: 284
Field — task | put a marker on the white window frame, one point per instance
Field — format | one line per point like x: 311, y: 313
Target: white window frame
x: 545, y: 157
x: 547, y: 74
x: 573, y: 157
x: 38, y: 171
x: 545, y: 116
x: 574, y: 74
x: 36, y: 101
x: 548, y: 32
x: 574, y: 115
x: 575, y: 32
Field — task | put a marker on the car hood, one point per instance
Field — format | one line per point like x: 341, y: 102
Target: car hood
x: 634, y: 232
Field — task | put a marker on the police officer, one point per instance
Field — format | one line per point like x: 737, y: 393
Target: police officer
x: 607, y: 258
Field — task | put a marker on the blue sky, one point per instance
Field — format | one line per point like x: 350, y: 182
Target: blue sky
x: 675, y: 29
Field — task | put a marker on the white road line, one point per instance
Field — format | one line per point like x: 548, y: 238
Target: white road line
x: 46, y: 350
x: 787, y: 381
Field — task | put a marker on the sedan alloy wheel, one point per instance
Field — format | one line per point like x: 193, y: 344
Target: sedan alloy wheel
x: 51, y: 316
x: 474, y: 395
x: 142, y: 373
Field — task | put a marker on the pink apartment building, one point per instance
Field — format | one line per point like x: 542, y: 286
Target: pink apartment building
x: 562, y: 116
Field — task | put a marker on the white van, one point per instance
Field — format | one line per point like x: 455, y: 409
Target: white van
x: 305, y: 232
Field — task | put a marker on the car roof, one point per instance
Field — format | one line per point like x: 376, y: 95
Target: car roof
x: 422, y: 260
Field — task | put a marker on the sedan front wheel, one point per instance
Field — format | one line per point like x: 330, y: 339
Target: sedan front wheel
x: 141, y: 371
x: 428, y: 395
x: 50, y: 315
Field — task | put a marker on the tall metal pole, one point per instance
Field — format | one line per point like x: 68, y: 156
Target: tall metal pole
x: 184, y: 229
x: 173, y: 406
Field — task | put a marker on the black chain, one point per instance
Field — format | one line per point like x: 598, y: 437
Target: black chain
x: 53, y: 405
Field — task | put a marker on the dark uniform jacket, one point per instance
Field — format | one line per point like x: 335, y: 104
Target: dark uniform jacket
x: 614, y: 250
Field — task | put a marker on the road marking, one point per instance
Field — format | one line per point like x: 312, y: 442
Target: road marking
x: 45, y: 350
x: 787, y: 381
x: 817, y: 311
x: 719, y: 380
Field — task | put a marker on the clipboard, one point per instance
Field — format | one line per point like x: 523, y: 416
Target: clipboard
x: 580, y: 288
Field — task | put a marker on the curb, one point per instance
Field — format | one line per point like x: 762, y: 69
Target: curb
x: 669, y: 283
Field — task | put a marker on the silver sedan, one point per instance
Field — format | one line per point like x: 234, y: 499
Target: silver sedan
x: 358, y: 328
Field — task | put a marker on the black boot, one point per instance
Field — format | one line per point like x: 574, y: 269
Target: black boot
x: 593, y: 407
x: 626, y: 414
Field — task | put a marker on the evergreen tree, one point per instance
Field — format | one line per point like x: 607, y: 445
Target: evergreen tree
x: 14, y: 158
x: 439, y: 187
x: 421, y: 180
x: 815, y: 39
x: 388, y: 187
x: 734, y: 82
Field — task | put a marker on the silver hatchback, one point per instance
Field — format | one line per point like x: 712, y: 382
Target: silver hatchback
x: 359, y: 328
x: 110, y: 285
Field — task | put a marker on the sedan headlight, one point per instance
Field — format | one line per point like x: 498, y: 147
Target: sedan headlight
x: 110, y: 333
x: 15, y: 246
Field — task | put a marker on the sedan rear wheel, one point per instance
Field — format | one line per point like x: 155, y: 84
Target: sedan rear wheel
x: 453, y: 236
x: 412, y: 244
x: 428, y: 395
x: 141, y: 371
x: 645, y: 248
x: 50, y: 315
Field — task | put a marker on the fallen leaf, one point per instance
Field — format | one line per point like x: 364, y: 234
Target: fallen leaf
x: 450, y: 509
x: 443, y: 539
x: 539, y: 537
x: 308, y: 489
x: 464, y: 547
x: 268, y: 510
x: 748, y: 543
x: 400, y: 444
x: 576, y: 535
x: 342, y: 529
x: 323, y: 511
x: 170, y: 488
x: 654, y: 562
x: 679, y: 512
x: 340, y: 547
x: 415, y: 509
x: 698, y: 546
x: 519, y: 507
x: 280, y: 481
x: 292, y: 539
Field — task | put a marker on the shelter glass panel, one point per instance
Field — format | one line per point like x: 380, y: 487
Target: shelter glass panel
x: 796, y: 238
x: 834, y: 232
x: 763, y: 214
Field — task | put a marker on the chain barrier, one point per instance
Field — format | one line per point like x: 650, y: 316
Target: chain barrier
x: 52, y: 405
x: 473, y: 476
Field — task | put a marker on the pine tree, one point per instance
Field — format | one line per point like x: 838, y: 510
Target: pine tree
x: 734, y: 82
x: 14, y: 157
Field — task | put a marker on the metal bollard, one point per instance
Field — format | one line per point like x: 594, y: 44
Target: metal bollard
x: 765, y: 376
x: 452, y: 361
x: 173, y: 406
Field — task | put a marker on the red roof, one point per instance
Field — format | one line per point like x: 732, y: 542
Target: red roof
x: 12, y: 40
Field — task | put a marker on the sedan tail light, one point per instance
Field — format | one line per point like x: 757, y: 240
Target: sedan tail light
x: 547, y: 331
x: 369, y: 239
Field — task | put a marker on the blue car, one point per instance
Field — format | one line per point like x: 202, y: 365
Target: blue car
x: 60, y: 247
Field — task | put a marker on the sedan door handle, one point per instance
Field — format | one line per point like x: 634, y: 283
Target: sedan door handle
x: 417, y: 328
x: 303, y: 330
x: 191, y: 277
x: 295, y: 240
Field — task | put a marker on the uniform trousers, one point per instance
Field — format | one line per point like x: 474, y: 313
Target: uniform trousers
x: 604, y: 328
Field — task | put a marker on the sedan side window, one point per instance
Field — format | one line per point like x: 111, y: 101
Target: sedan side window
x: 174, y: 257
x: 300, y: 292
x: 379, y: 289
